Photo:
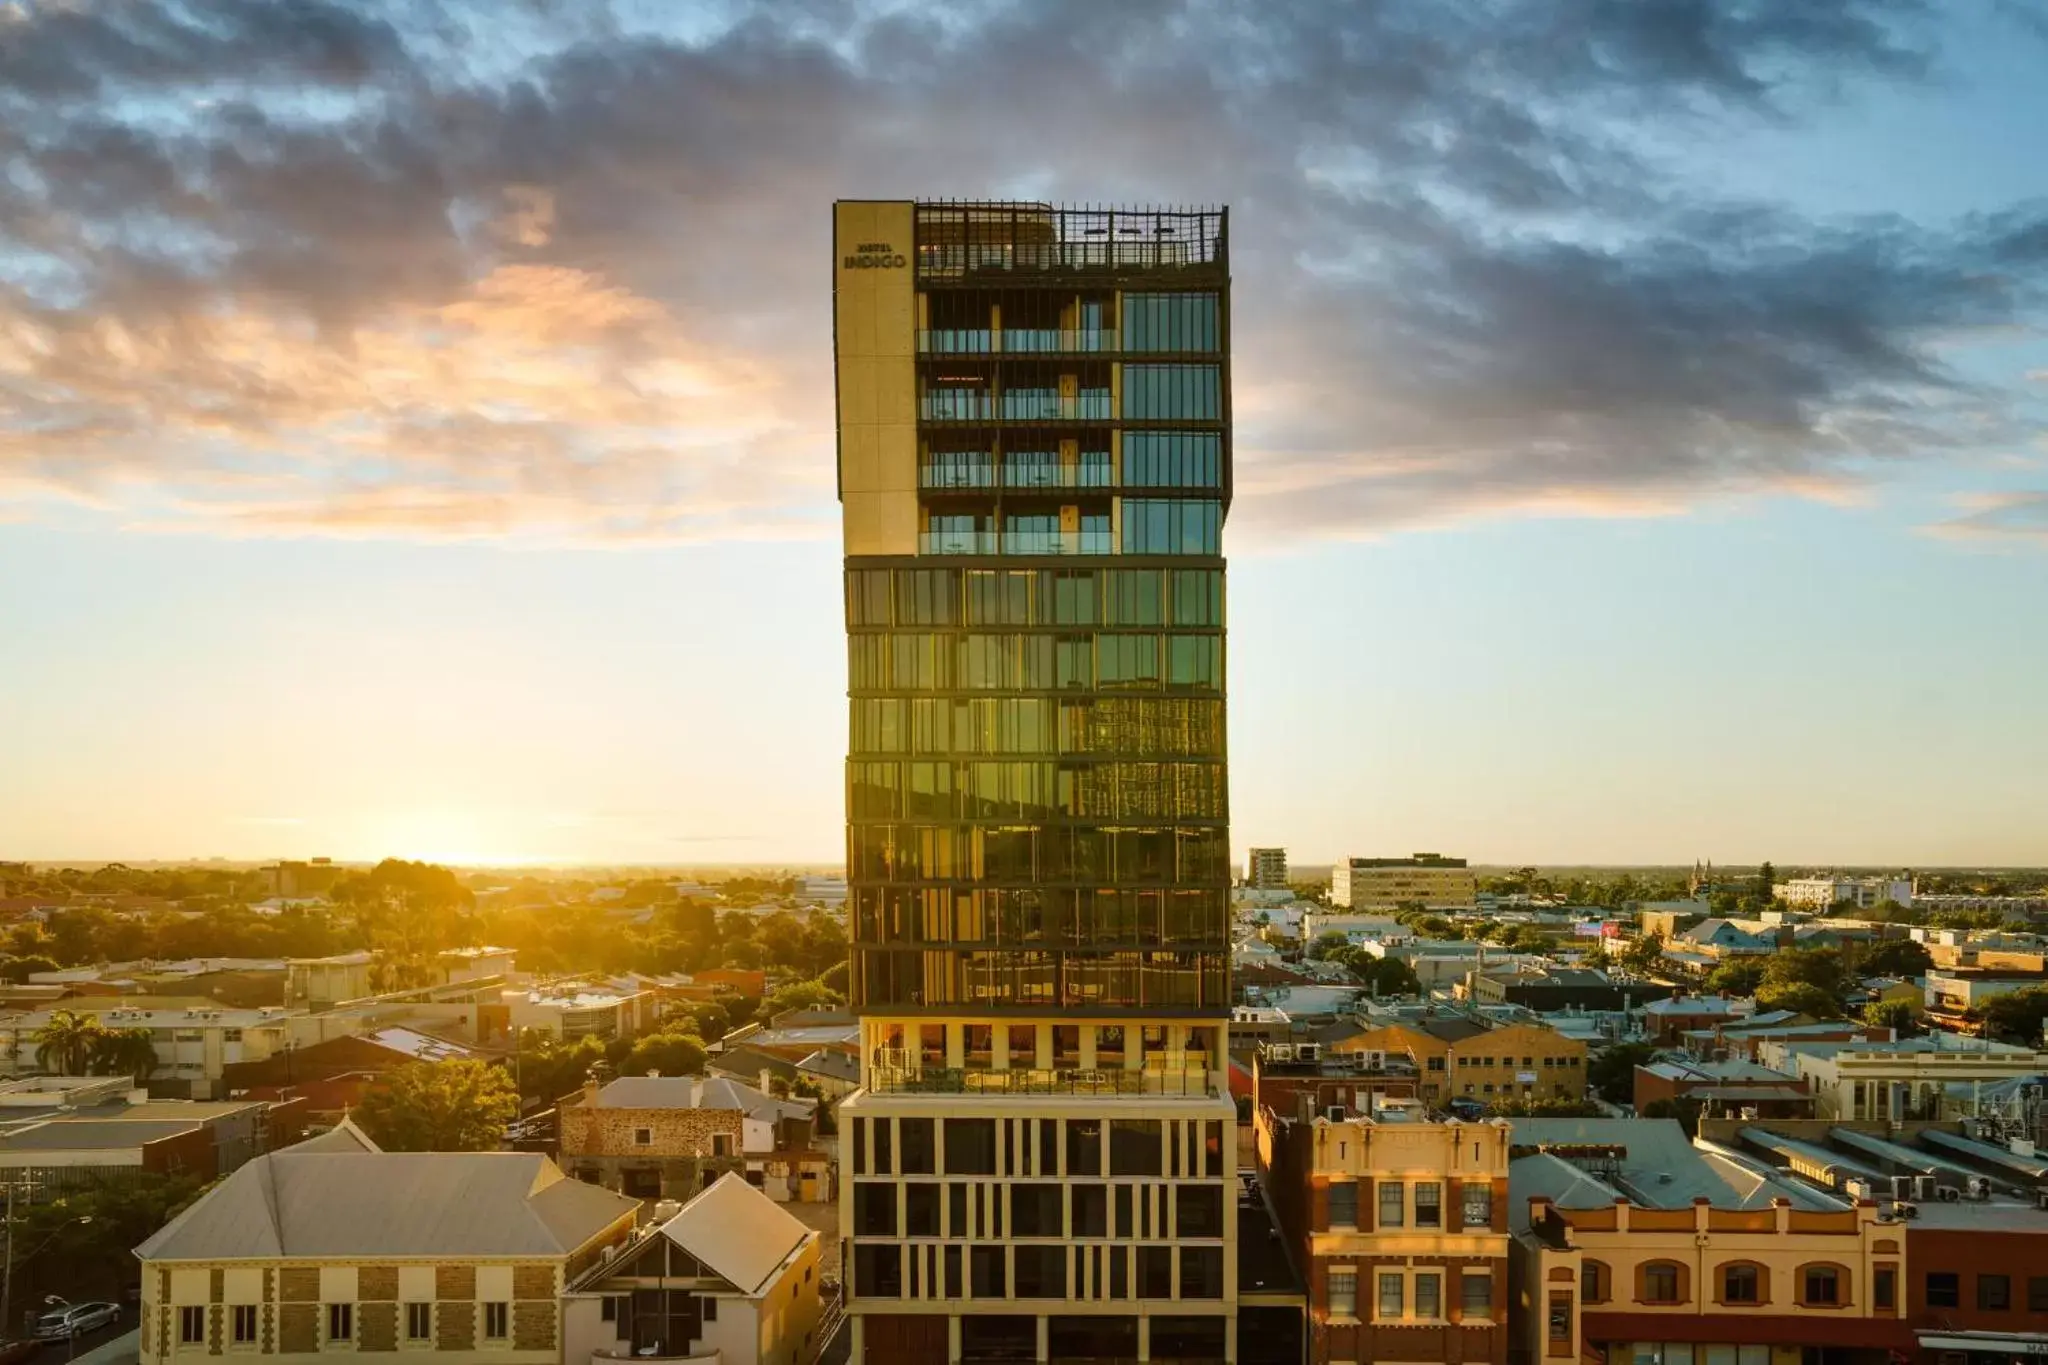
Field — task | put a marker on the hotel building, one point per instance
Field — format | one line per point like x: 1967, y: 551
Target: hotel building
x: 1034, y: 468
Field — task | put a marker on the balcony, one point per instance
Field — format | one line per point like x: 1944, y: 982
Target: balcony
x: 1015, y: 543
x: 1016, y: 341
x: 1014, y: 405
x: 1190, y: 1083
x: 1024, y: 470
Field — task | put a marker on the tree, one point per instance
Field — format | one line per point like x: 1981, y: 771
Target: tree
x: 550, y: 1068
x: 1766, y: 884
x: 1612, y: 1074
x: 1547, y: 1108
x: 671, y: 1054
x: 1643, y: 955
x: 1818, y: 967
x: 1327, y: 944
x: 1893, y: 1014
x: 458, y: 1106
x: 17, y: 970
x: 124, y: 1052
x: 836, y: 976
x: 65, y: 1046
x: 2015, y: 1018
x: 1736, y: 977
x: 1900, y: 957
x: 803, y: 995
x: 1801, y: 997
x: 1385, y: 975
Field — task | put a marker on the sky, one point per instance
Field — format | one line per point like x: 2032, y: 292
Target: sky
x: 415, y: 420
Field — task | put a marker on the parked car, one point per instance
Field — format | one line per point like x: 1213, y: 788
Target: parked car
x: 14, y: 1352
x: 76, y: 1320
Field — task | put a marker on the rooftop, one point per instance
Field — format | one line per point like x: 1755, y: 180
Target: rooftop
x: 1650, y: 1162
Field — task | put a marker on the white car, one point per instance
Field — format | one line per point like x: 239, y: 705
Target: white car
x: 76, y: 1320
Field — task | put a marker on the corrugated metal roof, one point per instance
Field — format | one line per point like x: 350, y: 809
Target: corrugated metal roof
x: 60, y: 1135
x: 738, y: 1231
x: 337, y: 1203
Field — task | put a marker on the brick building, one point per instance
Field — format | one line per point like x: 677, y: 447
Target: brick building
x: 335, y: 1248
x: 1462, y: 1056
x: 1399, y: 1221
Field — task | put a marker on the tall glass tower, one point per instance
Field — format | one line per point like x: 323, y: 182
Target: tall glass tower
x: 1034, y: 467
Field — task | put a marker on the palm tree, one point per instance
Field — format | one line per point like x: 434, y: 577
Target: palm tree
x: 65, y: 1046
x: 127, y: 1051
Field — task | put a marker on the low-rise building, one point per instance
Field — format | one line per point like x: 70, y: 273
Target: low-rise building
x: 1631, y: 1243
x: 1426, y: 879
x: 1300, y: 1080
x: 321, y: 983
x: 1545, y: 987
x: 728, y: 1279
x: 57, y: 1132
x: 1731, y: 1086
x: 1865, y: 893
x: 333, y: 1247
x: 1937, y: 1076
x: 572, y: 1010
x: 1469, y: 1057
x: 667, y: 1137
x: 1399, y: 1221
x: 1952, y: 994
x: 1666, y: 1022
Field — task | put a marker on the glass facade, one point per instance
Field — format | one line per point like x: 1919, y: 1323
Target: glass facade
x: 1037, y: 795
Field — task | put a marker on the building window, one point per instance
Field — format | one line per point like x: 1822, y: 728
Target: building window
x: 1393, y: 1296
x: 711, y: 1307
x: 1201, y: 1272
x: 608, y: 1308
x: 191, y: 1326
x: 1944, y: 1289
x: 721, y: 1144
x: 1429, y: 1298
x: 1429, y: 1207
x: 341, y: 1322
x: 1475, y: 1295
x: 419, y: 1318
x: 1593, y: 1281
x: 1344, y: 1205
x: 497, y: 1321
x: 1393, y: 1203
x: 2037, y: 1293
x: 1478, y: 1204
x: 1660, y: 1282
x: 1884, y: 1288
x: 1994, y: 1292
x: 245, y: 1324
x: 1436, y: 1064
x: 1820, y: 1285
x: 1343, y: 1293
x: 1560, y: 1331
x: 1740, y: 1284
x: 643, y: 1137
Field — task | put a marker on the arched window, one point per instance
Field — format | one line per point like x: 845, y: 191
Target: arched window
x: 1822, y: 1285
x: 1661, y: 1282
x: 1744, y: 1282
x: 1596, y: 1281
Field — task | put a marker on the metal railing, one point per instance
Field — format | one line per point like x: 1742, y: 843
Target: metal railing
x: 1047, y: 543
x: 1193, y: 1083
x: 1015, y: 405
x: 1016, y: 340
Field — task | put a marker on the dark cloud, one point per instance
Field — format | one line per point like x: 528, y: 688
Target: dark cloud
x: 455, y: 270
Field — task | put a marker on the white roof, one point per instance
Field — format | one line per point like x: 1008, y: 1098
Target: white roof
x: 420, y: 1045
x: 739, y: 1232
x: 332, y: 1201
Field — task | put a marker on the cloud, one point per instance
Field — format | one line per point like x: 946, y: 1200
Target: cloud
x: 2016, y: 517
x: 528, y: 270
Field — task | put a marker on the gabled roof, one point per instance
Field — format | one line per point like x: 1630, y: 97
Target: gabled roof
x: 738, y: 1232
x: 830, y: 1061
x: 342, y: 1137
x: 333, y: 1202
x: 698, y: 1092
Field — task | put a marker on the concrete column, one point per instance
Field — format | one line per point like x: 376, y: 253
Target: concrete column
x: 956, y: 1046
x: 1044, y: 1038
x: 952, y: 1339
x: 1044, y: 1337
x: 1087, y: 1047
x: 1144, y: 1336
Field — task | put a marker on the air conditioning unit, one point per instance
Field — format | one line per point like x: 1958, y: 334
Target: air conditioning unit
x: 1308, y: 1052
x: 1375, y: 1060
x: 1948, y: 1194
x: 1280, y: 1052
x: 1858, y: 1189
x: 1923, y: 1187
x: 1336, y: 1113
x: 2041, y: 1198
x: 1905, y: 1210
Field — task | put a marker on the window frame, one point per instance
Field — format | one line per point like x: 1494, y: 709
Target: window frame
x: 188, y: 1314
x: 1654, y: 1271
x: 235, y: 1321
x: 1837, y: 1275
x: 341, y: 1324
x: 1986, y: 1281
x: 1391, y: 1206
x: 1392, y: 1287
x: 1344, y: 1305
x: 502, y: 1310
x: 1759, y: 1284
x: 425, y: 1308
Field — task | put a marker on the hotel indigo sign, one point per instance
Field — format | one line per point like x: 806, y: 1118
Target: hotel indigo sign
x: 875, y: 256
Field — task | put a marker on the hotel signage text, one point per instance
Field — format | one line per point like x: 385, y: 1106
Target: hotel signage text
x: 875, y: 256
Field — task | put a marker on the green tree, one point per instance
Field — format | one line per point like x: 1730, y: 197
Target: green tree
x: 18, y: 969
x: 2015, y: 1018
x: 1643, y: 954
x: 1385, y: 975
x: 550, y: 1068
x: 124, y: 1052
x: 1327, y: 944
x: 802, y: 995
x: 1801, y: 997
x: 65, y: 1046
x: 1900, y: 957
x: 836, y: 976
x: 458, y: 1106
x: 1738, y: 976
x: 1817, y: 967
x: 671, y: 1054
x: 1893, y: 1014
x: 1547, y: 1108
x: 1612, y: 1074
x: 1766, y: 884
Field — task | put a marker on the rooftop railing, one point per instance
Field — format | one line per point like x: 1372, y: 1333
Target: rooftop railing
x: 1191, y: 1083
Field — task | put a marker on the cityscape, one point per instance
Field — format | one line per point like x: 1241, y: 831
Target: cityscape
x: 631, y: 607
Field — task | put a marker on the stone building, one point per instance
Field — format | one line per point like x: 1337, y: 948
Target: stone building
x: 669, y: 1137
x: 333, y: 1247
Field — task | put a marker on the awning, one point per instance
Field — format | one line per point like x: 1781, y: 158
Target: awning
x: 1804, y: 1327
